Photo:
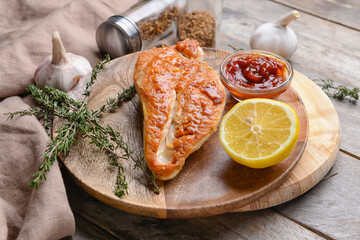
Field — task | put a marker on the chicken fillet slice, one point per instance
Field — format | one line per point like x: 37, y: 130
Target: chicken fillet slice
x: 182, y: 100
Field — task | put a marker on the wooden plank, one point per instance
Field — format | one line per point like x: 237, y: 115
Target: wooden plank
x: 89, y: 231
x: 343, y: 12
x: 332, y: 207
x: 325, y: 50
x: 264, y: 224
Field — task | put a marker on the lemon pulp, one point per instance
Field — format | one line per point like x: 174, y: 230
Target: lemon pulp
x: 259, y: 132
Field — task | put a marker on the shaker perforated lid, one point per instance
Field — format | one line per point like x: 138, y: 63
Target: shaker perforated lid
x: 118, y: 36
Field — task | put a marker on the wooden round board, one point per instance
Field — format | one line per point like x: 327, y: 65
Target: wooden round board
x: 210, y: 182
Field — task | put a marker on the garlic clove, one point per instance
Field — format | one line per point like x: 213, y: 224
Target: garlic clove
x: 276, y: 36
x: 59, y: 55
x: 288, y: 18
x: 61, y: 70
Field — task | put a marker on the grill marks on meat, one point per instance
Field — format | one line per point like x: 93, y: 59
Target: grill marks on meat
x: 182, y: 100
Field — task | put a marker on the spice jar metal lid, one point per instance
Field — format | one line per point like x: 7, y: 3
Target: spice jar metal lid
x: 118, y: 36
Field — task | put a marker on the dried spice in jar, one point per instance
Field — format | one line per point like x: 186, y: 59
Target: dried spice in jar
x: 151, y: 28
x: 198, y: 25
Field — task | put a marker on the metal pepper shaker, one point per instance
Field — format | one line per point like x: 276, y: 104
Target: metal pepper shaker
x: 146, y: 24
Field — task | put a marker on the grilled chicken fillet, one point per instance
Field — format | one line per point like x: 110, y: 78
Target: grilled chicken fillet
x: 182, y: 100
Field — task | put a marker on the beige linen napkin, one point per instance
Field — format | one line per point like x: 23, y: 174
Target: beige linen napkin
x: 26, y: 213
x: 25, y: 40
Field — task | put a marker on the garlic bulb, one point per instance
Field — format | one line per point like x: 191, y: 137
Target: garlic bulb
x: 61, y: 70
x: 276, y: 36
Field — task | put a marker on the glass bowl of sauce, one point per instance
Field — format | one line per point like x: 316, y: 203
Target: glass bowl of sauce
x: 255, y: 74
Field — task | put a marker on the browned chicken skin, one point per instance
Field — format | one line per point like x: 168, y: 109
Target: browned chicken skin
x: 182, y: 100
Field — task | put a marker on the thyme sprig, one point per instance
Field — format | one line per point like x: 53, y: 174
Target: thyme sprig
x: 339, y: 92
x: 79, y: 120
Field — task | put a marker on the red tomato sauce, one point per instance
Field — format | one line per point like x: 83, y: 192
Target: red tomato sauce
x: 255, y: 71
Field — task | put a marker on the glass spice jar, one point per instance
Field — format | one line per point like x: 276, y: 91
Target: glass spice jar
x: 145, y: 25
x: 201, y: 21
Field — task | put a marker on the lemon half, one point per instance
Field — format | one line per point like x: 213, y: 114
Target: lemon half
x: 259, y: 132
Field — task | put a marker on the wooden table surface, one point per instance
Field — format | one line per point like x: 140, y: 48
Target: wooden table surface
x: 329, y: 48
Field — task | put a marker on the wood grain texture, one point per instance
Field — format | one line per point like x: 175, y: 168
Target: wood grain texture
x: 332, y: 207
x: 257, y: 225
x: 85, y: 229
x: 321, y: 150
x: 210, y: 182
x: 342, y: 12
